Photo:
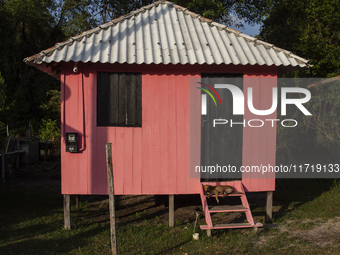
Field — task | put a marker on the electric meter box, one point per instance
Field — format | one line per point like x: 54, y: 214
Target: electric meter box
x: 72, y: 142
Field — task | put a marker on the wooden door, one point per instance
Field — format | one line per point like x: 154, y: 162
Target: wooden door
x: 221, y: 146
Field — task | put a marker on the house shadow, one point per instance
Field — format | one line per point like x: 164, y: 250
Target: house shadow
x: 289, y: 196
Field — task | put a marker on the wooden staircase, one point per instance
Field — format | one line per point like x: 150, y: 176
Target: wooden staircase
x: 244, y: 207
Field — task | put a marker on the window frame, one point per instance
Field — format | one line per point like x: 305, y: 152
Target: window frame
x: 119, y: 104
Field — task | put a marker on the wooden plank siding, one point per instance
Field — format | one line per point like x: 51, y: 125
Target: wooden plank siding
x: 154, y: 158
x: 72, y: 121
x: 259, y: 144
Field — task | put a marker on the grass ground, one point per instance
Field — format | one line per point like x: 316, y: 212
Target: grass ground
x: 306, y: 221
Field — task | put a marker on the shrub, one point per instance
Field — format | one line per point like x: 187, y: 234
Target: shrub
x: 50, y: 131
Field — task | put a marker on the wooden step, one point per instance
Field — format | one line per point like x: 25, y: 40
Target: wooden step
x: 228, y: 208
x: 233, y: 194
x: 244, y: 207
x: 231, y: 225
x: 236, y: 194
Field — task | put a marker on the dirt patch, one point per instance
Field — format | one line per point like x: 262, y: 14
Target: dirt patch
x: 317, y: 232
x: 320, y: 232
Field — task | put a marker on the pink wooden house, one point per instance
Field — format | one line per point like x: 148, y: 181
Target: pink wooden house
x: 129, y: 83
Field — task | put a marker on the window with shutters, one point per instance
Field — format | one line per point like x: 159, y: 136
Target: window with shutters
x: 119, y: 99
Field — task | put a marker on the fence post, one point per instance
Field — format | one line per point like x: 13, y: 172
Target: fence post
x: 171, y: 211
x: 45, y: 152
x: 112, y: 208
x: 67, y: 212
x: 77, y: 202
x: 3, y: 167
x: 269, y: 206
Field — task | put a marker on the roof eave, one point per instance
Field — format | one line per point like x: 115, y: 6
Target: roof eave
x: 53, y: 69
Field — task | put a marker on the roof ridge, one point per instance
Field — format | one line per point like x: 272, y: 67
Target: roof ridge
x: 122, y: 18
x: 39, y: 58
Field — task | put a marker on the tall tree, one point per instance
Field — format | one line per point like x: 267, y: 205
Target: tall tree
x: 75, y: 16
x: 310, y: 28
x: 26, y: 27
x: 230, y: 12
x: 3, y: 103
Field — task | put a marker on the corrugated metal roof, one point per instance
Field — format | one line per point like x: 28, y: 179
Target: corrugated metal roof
x: 165, y: 33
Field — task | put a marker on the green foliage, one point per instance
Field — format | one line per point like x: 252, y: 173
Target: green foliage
x: 51, y: 108
x: 285, y: 142
x: 50, y: 131
x: 3, y: 106
x: 311, y: 30
x: 2, y: 93
x: 320, y: 38
x: 325, y: 109
x: 26, y: 28
x: 74, y: 17
x: 291, y: 143
x: 230, y: 13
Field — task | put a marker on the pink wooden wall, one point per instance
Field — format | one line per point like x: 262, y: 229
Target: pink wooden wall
x: 153, y: 159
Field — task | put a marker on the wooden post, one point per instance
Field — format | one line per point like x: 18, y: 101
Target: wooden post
x: 67, y: 212
x: 269, y: 206
x: 108, y: 148
x: 29, y: 131
x: 45, y: 153
x: 171, y: 211
x: 77, y: 202
x: 3, y: 167
x: 208, y: 232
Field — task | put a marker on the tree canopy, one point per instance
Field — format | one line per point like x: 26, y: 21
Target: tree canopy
x: 74, y: 17
x: 26, y: 28
x: 308, y: 28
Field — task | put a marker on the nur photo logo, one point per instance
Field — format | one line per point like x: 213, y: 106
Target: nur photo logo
x: 238, y: 103
x: 204, y: 97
